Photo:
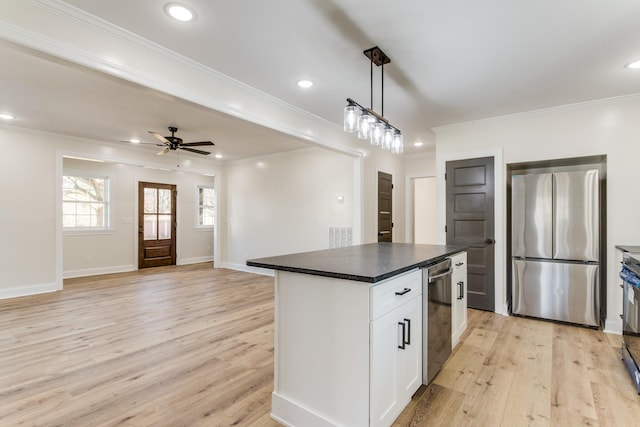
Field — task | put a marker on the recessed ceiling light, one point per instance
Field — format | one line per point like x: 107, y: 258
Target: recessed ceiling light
x: 7, y: 116
x: 134, y: 141
x: 633, y: 65
x: 305, y: 83
x: 180, y: 12
x: 418, y: 144
x: 218, y: 156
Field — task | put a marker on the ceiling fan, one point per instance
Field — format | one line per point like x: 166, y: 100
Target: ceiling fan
x: 174, y: 143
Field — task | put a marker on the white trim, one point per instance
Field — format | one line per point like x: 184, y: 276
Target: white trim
x: 409, y: 204
x: 499, y: 215
x: 358, y: 200
x: 567, y: 107
x: 196, y: 260
x: 26, y: 290
x: 69, y: 274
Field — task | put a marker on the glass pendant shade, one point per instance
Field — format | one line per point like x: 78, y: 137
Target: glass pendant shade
x: 377, y: 133
x: 397, y: 145
x: 365, y: 122
x: 387, y: 138
x: 351, y: 113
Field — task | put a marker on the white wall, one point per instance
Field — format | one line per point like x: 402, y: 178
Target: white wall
x: 285, y: 203
x: 417, y: 166
x: 608, y: 127
x: 27, y: 215
x: 30, y: 222
x: 115, y: 250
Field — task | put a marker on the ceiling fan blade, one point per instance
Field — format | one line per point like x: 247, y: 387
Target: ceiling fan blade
x: 193, y: 150
x: 142, y: 143
x: 160, y: 137
x: 195, y: 144
x: 164, y: 151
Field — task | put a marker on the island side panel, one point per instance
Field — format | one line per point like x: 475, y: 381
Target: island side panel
x: 321, y: 351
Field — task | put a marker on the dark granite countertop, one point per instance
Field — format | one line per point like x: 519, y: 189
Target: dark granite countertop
x: 628, y: 248
x: 369, y: 263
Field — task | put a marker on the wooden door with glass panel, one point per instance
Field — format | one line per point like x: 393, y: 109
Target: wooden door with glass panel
x: 156, y: 224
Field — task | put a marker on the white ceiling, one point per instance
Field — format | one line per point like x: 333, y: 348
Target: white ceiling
x: 451, y: 61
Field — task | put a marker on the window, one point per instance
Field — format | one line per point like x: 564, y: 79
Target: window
x: 85, y: 202
x: 206, y: 206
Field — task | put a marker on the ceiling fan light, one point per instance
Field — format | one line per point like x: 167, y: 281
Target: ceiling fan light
x: 180, y: 12
x: 377, y: 133
x: 365, y: 123
x: 351, y: 113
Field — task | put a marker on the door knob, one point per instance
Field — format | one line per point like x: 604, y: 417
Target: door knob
x: 489, y: 241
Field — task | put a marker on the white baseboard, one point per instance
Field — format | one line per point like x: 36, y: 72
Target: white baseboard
x: 197, y: 260
x: 613, y: 326
x: 22, y: 291
x: 247, y: 269
x: 290, y: 413
x: 96, y: 271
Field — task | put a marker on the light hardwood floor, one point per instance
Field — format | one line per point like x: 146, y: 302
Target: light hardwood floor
x: 193, y: 346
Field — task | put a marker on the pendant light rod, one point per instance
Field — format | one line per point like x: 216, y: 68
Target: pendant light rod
x: 366, y: 121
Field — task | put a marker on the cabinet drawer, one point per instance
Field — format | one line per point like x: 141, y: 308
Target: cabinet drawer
x: 459, y: 262
x: 392, y: 293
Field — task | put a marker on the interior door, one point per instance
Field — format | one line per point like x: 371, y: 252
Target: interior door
x: 470, y: 222
x: 385, y: 204
x: 156, y: 224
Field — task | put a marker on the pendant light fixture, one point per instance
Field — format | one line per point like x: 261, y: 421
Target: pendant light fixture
x: 368, y: 123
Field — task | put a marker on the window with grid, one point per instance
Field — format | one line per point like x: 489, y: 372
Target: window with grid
x: 85, y: 202
x: 206, y: 206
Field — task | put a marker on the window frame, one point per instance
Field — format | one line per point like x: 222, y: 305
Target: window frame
x: 108, y: 204
x: 198, y: 225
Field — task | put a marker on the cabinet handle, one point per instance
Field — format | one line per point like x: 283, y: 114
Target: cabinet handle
x: 402, y: 342
x: 406, y: 290
x: 460, y: 290
x: 459, y: 264
x: 408, y: 340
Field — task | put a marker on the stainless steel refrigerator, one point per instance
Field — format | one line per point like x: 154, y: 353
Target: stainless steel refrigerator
x: 555, y: 246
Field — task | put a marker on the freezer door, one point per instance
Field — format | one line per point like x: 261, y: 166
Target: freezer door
x: 576, y: 215
x: 567, y: 292
x: 532, y: 215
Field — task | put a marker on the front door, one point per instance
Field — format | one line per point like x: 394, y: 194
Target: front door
x: 470, y: 207
x: 385, y: 202
x: 156, y: 224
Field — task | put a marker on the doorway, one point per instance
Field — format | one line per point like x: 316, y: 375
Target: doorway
x: 470, y: 200
x: 385, y: 206
x: 156, y: 224
x: 424, y: 193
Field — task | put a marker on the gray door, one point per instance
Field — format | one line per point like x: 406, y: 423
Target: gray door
x: 385, y: 203
x: 470, y: 207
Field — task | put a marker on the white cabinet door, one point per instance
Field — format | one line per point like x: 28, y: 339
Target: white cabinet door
x: 458, y: 297
x: 396, y: 361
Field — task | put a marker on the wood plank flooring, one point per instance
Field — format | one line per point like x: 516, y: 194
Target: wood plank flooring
x: 193, y: 346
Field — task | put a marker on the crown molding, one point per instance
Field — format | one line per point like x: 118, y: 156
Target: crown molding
x: 71, y: 13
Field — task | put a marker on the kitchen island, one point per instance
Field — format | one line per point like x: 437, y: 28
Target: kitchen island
x: 348, y: 332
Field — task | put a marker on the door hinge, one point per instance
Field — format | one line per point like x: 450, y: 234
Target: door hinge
x: 392, y: 225
x: 445, y: 176
x: 445, y: 228
x: 392, y: 186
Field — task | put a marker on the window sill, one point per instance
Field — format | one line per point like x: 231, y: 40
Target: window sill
x: 87, y: 232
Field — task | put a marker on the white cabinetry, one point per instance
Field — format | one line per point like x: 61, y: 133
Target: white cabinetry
x: 459, y: 296
x: 337, y: 354
x: 396, y: 356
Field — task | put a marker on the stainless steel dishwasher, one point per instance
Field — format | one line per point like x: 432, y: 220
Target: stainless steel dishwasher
x: 436, y: 306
